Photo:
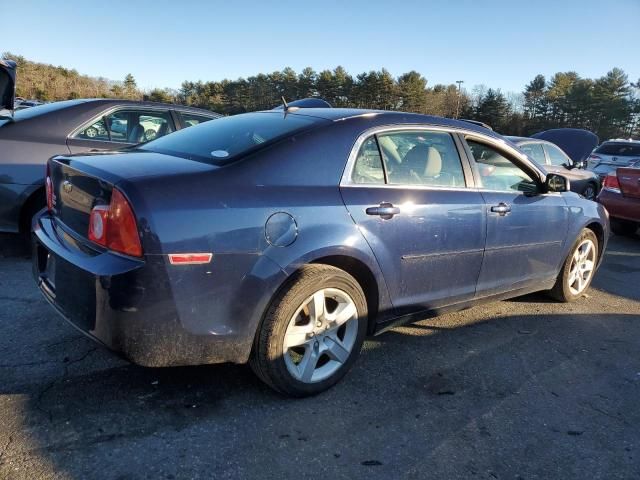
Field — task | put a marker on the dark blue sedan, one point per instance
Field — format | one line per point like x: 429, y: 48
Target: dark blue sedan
x: 283, y: 238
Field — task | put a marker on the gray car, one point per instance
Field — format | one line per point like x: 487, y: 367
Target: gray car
x: 28, y: 138
x: 555, y: 160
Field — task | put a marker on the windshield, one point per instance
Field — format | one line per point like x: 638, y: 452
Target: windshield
x: 619, y: 149
x: 220, y: 141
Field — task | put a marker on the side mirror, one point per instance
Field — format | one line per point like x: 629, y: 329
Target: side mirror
x: 557, y: 183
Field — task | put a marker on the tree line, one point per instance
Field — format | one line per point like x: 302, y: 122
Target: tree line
x: 608, y: 106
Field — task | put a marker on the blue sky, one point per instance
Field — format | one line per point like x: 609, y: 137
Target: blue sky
x: 501, y: 44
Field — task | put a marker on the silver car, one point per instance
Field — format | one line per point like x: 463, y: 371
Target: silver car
x: 612, y: 154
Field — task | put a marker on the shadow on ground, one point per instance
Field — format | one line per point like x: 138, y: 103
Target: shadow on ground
x: 526, y: 389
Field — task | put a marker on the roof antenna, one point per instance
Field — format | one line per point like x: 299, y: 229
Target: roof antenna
x: 284, y: 102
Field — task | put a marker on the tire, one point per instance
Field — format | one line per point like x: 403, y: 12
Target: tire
x: 590, y: 191
x: 623, y: 227
x: 33, y: 205
x: 326, y: 349
x: 575, y: 276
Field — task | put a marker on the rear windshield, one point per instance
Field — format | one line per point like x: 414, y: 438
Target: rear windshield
x: 220, y: 141
x: 619, y: 149
x: 32, y: 112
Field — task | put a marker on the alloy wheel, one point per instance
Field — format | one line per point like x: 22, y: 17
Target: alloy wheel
x: 321, y: 335
x: 582, y: 266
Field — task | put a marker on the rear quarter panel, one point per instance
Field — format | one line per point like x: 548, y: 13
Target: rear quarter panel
x: 225, y: 211
x: 584, y: 213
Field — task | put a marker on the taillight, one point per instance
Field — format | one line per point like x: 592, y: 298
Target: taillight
x: 114, y: 226
x: 611, y: 184
x: 49, y: 189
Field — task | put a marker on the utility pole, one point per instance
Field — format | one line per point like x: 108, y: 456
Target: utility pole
x: 459, y: 82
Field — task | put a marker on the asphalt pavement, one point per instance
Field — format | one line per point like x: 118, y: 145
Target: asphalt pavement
x: 520, y: 389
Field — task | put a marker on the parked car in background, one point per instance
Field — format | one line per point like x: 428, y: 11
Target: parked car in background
x: 613, y: 154
x: 621, y: 197
x: 283, y: 238
x: 553, y: 159
x: 577, y: 143
x: 33, y: 135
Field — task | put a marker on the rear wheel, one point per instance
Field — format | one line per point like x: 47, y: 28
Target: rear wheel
x: 578, y: 269
x: 623, y: 227
x: 312, y: 333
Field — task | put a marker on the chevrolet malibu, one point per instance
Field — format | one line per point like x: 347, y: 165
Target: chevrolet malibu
x: 283, y: 238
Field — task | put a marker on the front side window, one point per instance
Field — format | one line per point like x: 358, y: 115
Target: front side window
x: 135, y: 126
x: 535, y: 151
x: 498, y: 172
x: 96, y: 130
x: 127, y: 126
x: 556, y: 156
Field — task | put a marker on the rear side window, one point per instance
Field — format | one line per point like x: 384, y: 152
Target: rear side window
x: 368, y: 167
x: 227, y: 138
x: 619, y: 149
x: 191, y: 119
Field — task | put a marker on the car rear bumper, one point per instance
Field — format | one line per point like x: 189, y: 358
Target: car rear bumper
x: 619, y: 206
x: 123, y: 303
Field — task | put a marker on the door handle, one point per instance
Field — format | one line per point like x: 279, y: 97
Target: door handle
x: 385, y: 210
x: 502, y: 209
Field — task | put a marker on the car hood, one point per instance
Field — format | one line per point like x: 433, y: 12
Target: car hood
x: 7, y: 84
x: 576, y: 142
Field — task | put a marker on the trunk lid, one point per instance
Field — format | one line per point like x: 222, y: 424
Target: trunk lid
x: 75, y: 193
x: 629, y: 180
x: 80, y: 182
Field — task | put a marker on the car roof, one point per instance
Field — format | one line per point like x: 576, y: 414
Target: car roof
x: 382, y: 116
x: 141, y: 103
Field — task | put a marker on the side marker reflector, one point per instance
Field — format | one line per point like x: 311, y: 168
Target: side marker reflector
x: 190, y: 258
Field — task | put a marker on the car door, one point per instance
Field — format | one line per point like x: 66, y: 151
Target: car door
x: 119, y: 128
x: 407, y: 190
x: 526, y: 228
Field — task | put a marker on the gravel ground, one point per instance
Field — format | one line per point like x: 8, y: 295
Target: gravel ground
x: 526, y: 388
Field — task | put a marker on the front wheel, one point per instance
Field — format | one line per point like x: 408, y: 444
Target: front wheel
x: 578, y: 269
x: 312, y: 333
